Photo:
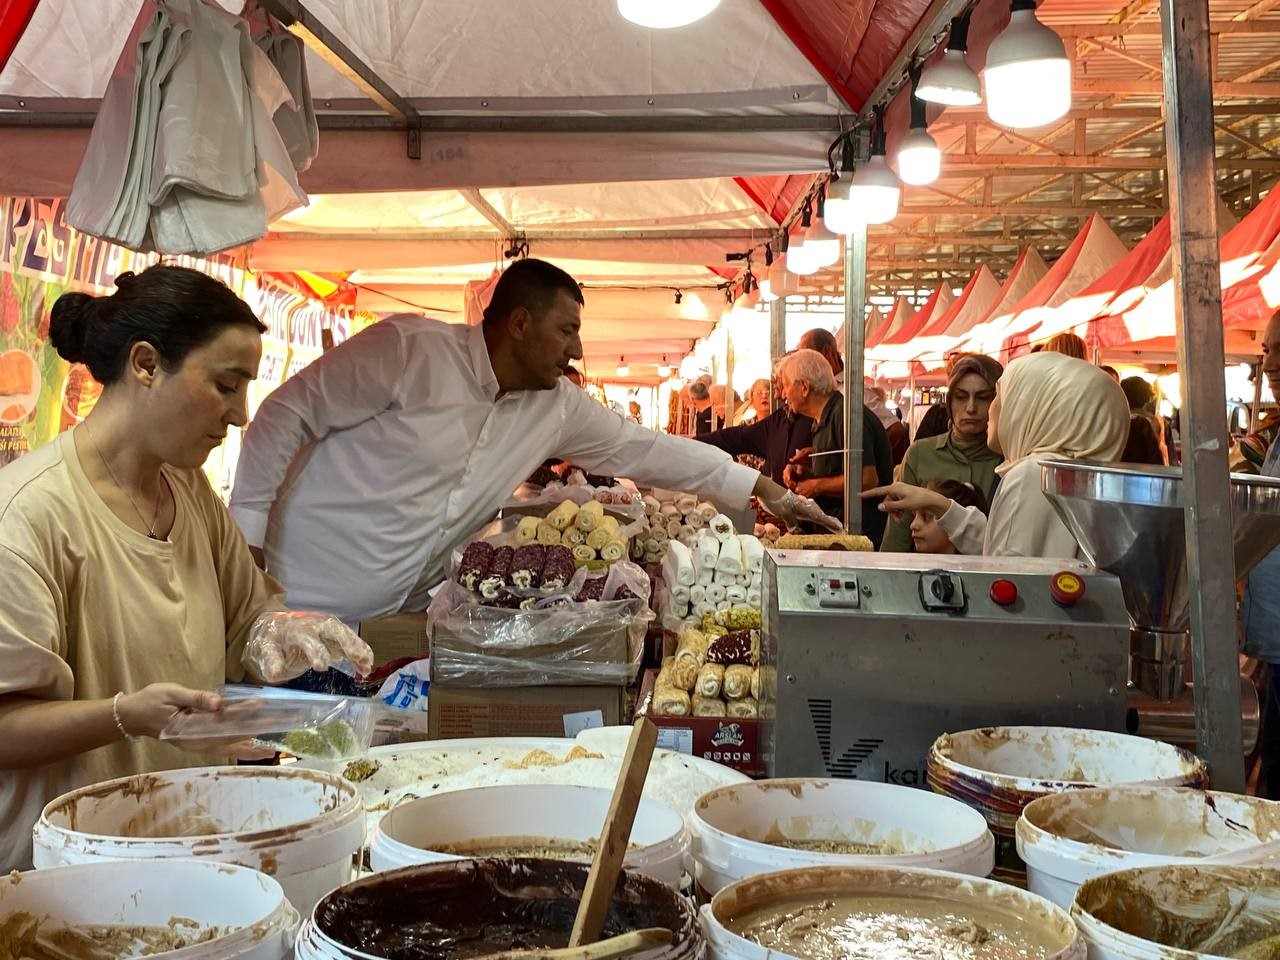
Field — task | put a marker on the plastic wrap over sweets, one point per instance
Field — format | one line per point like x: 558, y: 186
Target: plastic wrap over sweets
x: 589, y: 633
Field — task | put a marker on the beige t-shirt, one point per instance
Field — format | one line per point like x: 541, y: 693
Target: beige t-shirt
x: 89, y: 607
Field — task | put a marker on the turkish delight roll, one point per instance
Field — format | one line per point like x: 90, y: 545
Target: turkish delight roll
x: 476, y: 559
x: 563, y: 516
x: 499, y: 576
x: 557, y: 568
x: 590, y: 515
x: 526, y: 566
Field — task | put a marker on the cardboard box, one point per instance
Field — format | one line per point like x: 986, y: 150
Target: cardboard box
x: 730, y: 741
x: 399, y: 635
x: 548, y: 711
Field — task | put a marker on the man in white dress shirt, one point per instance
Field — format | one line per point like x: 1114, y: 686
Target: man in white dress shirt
x: 362, y: 472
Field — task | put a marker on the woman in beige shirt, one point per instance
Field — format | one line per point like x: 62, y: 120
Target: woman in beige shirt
x: 128, y: 592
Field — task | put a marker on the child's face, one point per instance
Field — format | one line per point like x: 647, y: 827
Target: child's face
x: 927, y: 536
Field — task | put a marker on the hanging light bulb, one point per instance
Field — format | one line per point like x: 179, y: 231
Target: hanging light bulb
x: 919, y: 159
x: 800, y: 260
x: 950, y: 80
x: 876, y: 189
x: 839, y: 213
x: 623, y: 369
x: 819, y: 242
x: 782, y: 282
x: 664, y: 368
x: 664, y: 14
x: 1028, y: 73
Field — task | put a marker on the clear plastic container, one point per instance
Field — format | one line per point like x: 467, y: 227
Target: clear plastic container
x: 304, y: 724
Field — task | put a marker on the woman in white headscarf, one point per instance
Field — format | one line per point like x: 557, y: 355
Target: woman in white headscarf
x: 1047, y: 406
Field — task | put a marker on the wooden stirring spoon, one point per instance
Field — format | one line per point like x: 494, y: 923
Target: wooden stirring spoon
x: 607, y: 863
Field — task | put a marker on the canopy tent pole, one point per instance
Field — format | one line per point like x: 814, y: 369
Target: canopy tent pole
x: 855, y: 318
x: 777, y: 344
x: 1193, y: 205
x: 1257, y: 398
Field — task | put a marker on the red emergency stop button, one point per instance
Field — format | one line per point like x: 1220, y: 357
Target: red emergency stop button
x: 1004, y: 592
x: 1066, y: 588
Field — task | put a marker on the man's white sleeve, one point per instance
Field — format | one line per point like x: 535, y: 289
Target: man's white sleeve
x: 602, y: 441
x: 349, y: 384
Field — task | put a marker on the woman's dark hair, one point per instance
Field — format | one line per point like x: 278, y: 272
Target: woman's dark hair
x: 1143, y: 446
x: 175, y: 309
x: 965, y: 494
x: 935, y: 422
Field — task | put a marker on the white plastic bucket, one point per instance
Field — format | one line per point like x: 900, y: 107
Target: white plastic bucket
x: 1019, y: 910
x: 300, y: 826
x: 1068, y: 838
x: 1179, y: 912
x: 732, y: 828
x: 999, y: 770
x: 408, y: 834
x: 489, y: 891
x: 259, y: 922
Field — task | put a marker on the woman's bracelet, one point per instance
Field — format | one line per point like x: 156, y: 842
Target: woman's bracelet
x: 115, y: 715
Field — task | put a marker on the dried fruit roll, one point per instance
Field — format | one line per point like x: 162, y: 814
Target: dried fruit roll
x: 476, y: 559
x: 590, y: 515
x: 563, y: 516
x: 732, y: 648
x: 745, y: 709
x: 684, y: 673
x: 823, y: 541
x: 669, y: 701
x: 708, y: 706
x: 547, y: 534
x: 557, y: 568
x: 526, y: 566
x: 499, y: 576
x: 737, y: 681
x: 527, y: 531
x: 710, y: 680
x: 692, y: 645
x: 592, y: 589
x: 606, y: 530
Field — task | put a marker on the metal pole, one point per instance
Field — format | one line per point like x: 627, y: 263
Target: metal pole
x: 855, y: 297
x: 1193, y: 205
x: 1257, y: 398
x: 777, y: 343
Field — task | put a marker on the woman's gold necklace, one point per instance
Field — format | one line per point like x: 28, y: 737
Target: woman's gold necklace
x: 155, y: 517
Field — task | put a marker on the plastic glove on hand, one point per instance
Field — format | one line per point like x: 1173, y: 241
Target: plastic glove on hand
x: 794, y: 509
x: 285, y: 645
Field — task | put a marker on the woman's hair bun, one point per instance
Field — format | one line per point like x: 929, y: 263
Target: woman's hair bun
x: 125, y: 280
x: 69, y: 325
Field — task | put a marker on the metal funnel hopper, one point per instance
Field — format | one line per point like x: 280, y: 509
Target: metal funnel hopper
x: 1129, y: 521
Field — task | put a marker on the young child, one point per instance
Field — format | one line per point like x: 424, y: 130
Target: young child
x: 926, y: 535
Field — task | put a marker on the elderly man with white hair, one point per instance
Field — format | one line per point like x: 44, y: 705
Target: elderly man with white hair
x: 809, y: 387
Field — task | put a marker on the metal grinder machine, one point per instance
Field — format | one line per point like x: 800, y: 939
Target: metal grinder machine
x: 869, y: 657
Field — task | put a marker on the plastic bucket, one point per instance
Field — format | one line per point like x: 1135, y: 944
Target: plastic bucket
x: 1017, y: 909
x: 300, y: 826
x: 1069, y: 838
x: 412, y: 832
x: 247, y: 910
x: 999, y: 770
x: 1181, y: 912
x: 463, y: 899
x: 736, y: 829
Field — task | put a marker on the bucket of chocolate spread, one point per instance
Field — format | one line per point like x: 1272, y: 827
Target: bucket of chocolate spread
x: 461, y: 909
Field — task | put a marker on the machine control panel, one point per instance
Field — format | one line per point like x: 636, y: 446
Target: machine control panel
x: 837, y: 590
x: 942, y: 591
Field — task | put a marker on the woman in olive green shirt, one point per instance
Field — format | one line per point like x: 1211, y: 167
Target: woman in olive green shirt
x: 959, y: 454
